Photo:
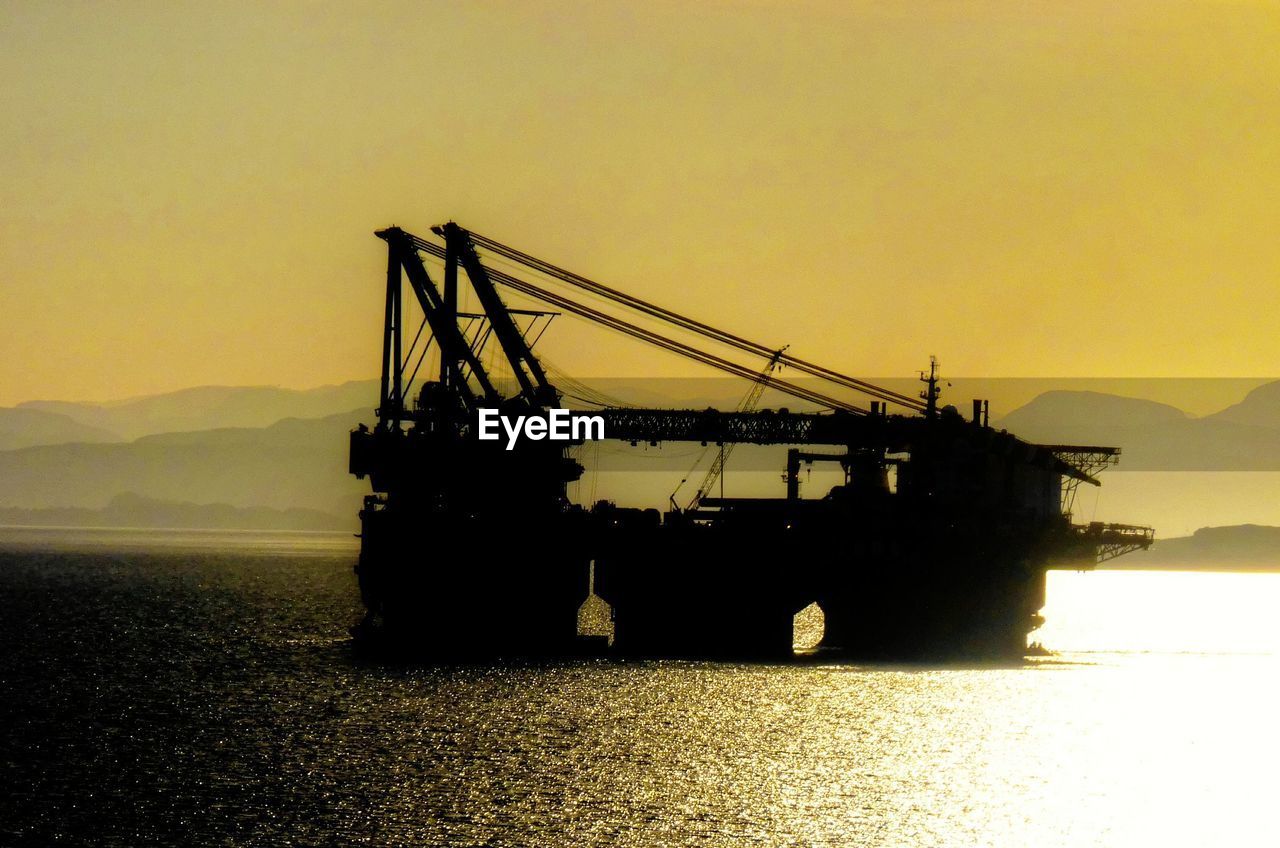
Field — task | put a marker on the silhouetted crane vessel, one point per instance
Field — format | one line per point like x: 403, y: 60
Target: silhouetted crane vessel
x: 936, y: 545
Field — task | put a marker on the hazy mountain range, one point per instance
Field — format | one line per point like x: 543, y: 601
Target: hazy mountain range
x: 45, y: 422
x: 263, y: 448
x: 1156, y: 436
x: 294, y: 463
x: 22, y: 427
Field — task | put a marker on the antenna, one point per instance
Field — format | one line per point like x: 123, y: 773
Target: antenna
x: 931, y: 394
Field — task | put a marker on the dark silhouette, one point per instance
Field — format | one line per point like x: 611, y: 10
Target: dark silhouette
x: 936, y: 543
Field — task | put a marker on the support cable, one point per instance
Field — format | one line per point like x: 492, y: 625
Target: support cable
x: 693, y: 325
x: 658, y: 340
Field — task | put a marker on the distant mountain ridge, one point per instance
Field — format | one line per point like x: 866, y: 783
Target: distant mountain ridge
x: 1155, y: 436
x: 1260, y: 408
x: 210, y: 407
x: 1060, y: 411
x: 22, y: 427
x: 292, y: 463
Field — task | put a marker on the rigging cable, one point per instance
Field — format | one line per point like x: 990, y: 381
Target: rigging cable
x: 657, y: 339
x: 693, y: 325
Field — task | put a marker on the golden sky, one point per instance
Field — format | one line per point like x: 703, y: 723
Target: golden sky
x: 1023, y: 188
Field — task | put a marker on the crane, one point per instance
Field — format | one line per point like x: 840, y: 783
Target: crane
x: 749, y: 403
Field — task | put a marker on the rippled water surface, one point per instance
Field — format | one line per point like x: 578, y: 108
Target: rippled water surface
x: 187, y: 696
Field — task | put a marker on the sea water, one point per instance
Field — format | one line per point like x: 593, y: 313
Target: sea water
x: 200, y: 689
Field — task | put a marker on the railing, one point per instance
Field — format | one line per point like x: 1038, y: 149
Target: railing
x: 1113, y: 540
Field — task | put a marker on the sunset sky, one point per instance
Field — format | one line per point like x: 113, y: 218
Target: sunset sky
x: 1025, y: 189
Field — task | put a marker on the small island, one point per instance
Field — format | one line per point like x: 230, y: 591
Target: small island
x: 1240, y: 547
x: 133, y: 510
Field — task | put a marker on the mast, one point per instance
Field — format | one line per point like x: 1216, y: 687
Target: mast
x: 932, y: 392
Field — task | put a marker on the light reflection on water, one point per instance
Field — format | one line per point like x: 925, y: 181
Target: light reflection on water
x: 1167, y: 612
x: 151, y: 539
x: 210, y: 698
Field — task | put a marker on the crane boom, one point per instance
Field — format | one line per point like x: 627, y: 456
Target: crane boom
x: 749, y: 403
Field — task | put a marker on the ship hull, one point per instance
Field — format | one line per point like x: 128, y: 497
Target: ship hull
x: 714, y: 593
x: 457, y: 588
x: 437, y: 586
